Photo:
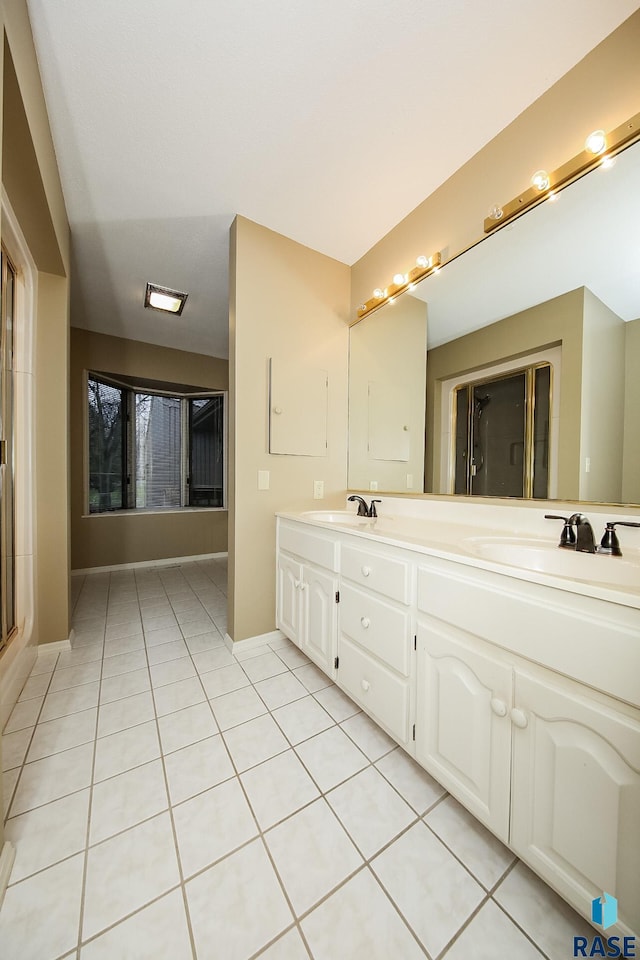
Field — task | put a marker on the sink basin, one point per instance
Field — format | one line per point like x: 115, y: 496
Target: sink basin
x: 336, y: 516
x: 544, y: 556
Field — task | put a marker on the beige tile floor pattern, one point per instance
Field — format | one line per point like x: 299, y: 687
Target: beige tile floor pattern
x: 168, y: 800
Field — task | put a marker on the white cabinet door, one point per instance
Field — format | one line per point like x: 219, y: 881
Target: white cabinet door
x: 576, y: 796
x: 463, y: 730
x: 288, y: 597
x: 319, y: 619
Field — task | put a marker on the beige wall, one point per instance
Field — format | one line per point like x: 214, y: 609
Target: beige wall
x: 601, y: 91
x: 290, y: 303
x: 602, y: 403
x: 558, y: 321
x: 30, y: 178
x: 107, y: 539
x: 631, y: 442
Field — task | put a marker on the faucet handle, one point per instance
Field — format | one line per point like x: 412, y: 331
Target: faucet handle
x: 568, y: 536
x: 374, y: 513
x: 610, y: 543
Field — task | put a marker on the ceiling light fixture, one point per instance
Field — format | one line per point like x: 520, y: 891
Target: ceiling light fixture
x: 165, y: 299
x: 401, y: 282
x: 591, y: 156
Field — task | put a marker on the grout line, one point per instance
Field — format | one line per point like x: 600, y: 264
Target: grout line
x: 296, y: 924
x: 89, y: 811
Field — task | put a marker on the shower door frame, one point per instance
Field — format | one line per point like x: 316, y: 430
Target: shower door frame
x: 529, y: 370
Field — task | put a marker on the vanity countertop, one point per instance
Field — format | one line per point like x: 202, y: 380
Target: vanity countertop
x: 614, y: 579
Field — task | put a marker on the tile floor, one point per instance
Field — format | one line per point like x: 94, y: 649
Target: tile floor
x: 168, y: 800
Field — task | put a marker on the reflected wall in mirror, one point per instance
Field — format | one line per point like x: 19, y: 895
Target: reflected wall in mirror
x: 387, y: 376
x: 565, y: 277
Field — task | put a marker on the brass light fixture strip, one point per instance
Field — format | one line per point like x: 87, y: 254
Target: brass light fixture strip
x: 394, y: 290
x: 617, y: 140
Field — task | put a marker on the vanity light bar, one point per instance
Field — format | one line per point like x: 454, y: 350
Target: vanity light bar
x: 623, y: 136
x: 425, y: 266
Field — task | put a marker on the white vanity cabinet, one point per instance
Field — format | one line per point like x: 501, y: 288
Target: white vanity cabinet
x: 575, y: 792
x: 550, y: 765
x: 463, y: 726
x: 307, y: 591
x: 375, y: 638
x: 522, y: 699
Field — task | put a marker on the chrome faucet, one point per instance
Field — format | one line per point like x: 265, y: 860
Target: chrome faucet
x: 363, y: 509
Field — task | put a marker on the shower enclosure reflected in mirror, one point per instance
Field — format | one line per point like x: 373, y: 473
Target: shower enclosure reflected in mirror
x: 560, y: 286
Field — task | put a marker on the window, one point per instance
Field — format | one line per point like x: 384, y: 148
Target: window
x: 152, y: 449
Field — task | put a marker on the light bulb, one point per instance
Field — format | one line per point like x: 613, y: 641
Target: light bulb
x: 399, y: 279
x: 596, y: 142
x: 607, y: 162
x: 540, y: 180
x: 422, y: 262
x: 552, y: 197
x: 496, y: 212
x: 378, y: 293
x: 390, y: 300
x: 362, y: 307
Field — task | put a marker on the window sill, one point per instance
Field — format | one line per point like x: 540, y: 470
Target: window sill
x: 158, y: 511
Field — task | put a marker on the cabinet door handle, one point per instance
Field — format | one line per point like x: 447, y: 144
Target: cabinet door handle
x: 365, y: 685
x: 365, y: 622
x: 519, y: 718
x: 499, y: 707
x: 297, y: 583
x: 303, y: 585
x: 366, y: 571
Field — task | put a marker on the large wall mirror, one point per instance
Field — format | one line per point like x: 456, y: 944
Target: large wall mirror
x: 531, y: 370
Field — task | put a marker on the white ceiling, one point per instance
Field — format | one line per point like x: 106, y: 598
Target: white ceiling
x: 325, y: 120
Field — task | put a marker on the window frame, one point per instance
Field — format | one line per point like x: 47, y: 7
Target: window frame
x: 182, y: 392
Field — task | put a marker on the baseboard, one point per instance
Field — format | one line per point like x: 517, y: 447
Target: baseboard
x: 166, y: 562
x: 57, y: 646
x: 261, y: 640
x: 7, y: 856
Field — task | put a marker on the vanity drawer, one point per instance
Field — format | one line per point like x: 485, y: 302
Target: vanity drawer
x: 299, y: 540
x: 385, y: 575
x: 381, y: 693
x: 376, y: 625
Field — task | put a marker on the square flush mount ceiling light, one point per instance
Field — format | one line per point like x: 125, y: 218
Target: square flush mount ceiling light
x: 165, y: 299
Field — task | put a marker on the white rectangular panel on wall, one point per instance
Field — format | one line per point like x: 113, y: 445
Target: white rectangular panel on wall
x: 298, y: 405
x: 389, y: 421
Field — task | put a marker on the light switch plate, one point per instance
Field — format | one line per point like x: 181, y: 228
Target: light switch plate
x: 373, y: 484
x: 318, y: 489
x: 263, y: 479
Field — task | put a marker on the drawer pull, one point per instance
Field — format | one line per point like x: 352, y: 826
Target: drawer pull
x: 519, y: 718
x: 366, y: 571
x: 365, y: 622
x: 498, y: 707
x: 365, y: 685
